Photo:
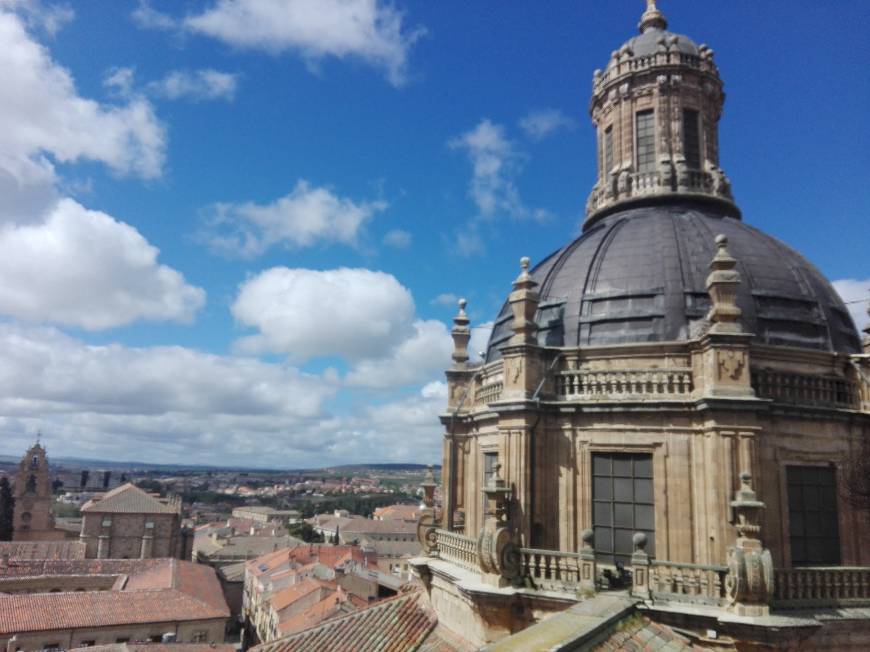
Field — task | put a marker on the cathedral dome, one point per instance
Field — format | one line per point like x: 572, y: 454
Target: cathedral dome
x: 639, y: 275
x: 638, y: 272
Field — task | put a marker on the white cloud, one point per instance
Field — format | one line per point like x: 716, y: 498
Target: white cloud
x: 494, y: 159
x: 445, y: 299
x: 46, y: 121
x: 146, y: 16
x: 307, y: 216
x: 158, y: 403
x: 50, y: 19
x: 539, y: 124
x: 419, y: 357
x: 369, y: 30
x: 856, y: 294
x: 83, y: 268
x: 479, y: 340
x: 398, y: 239
x: 204, y: 84
x: 350, y: 313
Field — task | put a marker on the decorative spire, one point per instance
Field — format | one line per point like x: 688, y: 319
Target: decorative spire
x: 460, y: 334
x: 652, y: 18
x: 524, y: 304
x: 722, y: 286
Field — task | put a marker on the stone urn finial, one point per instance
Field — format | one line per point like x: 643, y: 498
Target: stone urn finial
x: 461, y: 334
x: 524, y: 304
x: 722, y: 287
x: 428, y: 486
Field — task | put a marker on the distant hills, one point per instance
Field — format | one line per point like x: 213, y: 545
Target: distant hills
x: 88, y: 463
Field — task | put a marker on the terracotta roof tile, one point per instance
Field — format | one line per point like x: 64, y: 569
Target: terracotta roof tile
x: 291, y: 594
x: 43, y: 549
x: 398, y: 624
x: 128, y: 499
x: 640, y: 633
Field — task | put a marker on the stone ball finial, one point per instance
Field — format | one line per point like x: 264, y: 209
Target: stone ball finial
x: 587, y: 536
x: 639, y: 541
x: 524, y: 263
x: 721, y: 241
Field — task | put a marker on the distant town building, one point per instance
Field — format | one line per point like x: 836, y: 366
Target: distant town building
x: 13, y: 551
x: 399, y: 511
x: 65, y: 604
x: 128, y: 523
x: 263, y: 514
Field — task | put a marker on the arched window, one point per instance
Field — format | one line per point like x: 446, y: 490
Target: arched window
x: 30, y: 487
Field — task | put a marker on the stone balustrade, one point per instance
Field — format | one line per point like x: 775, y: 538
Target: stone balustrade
x: 625, y: 65
x: 458, y: 549
x: 692, y: 583
x: 803, y: 388
x: 489, y: 393
x: 551, y: 570
x: 624, y: 384
x: 833, y: 586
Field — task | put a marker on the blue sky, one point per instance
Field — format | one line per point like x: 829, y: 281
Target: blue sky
x: 234, y: 231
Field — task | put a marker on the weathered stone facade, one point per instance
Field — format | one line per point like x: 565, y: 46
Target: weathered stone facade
x: 127, y: 523
x: 695, y: 431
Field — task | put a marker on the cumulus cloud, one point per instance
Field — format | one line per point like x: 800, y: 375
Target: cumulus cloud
x: 856, y: 294
x: 542, y: 123
x: 495, y: 162
x: 83, y: 268
x: 351, y: 313
x: 445, y: 299
x: 398, y: 239
x: 307, y: 216
x: 415, y: 359
x: 52, y: 123
x: 160, y: 403
x: 204, y: 84
x: 368, y: 30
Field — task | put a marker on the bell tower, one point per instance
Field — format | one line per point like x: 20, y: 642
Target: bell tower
x: 33, y: 520
x: 656, y: 109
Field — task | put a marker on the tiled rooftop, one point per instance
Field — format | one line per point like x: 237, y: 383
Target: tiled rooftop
x: 128, y: 499
x: 640, y: 634
x: 22, y: 550
x: 155, y: 590
x: 399, y: 624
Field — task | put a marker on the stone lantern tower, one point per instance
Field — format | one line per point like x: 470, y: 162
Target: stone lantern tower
x: 33, y: 520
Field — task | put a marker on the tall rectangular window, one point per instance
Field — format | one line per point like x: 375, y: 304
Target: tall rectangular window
x: 489, y: 462
x: 645, y: 137
x: 814, y: 532
x: 608, y: 150
x: 622, y: 504
x: 691, y: 139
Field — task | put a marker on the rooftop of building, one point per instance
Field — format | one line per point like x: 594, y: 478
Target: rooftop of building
x: 148, y: 591
x: 129, y: 499
x: 35, y: 550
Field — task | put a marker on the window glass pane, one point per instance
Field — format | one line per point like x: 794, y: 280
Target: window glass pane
x: 643, y: 491
x: 622, y: 541
x: 623, y: 515
x: 645, y: 139
x: 603, y: 539
x: 644, y: 517
x: 691, y: 139
x: 643, y: 466
x: 813, y: 524
x: 601, y: 513
x: 608, y: 150
x: 601, y: 489
x: 622, y: 467
x: 622, y: 489
x: 601, y: 464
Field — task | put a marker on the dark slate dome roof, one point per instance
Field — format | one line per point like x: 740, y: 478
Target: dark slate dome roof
x: 639, y: 275
x: 648, y: 43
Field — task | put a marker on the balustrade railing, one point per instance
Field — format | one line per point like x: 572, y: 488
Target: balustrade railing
x: 803, y: 388
x: 457, y: 548
x: 624, y: 384
x: 488, y: 393
x: 692, y: 583
x: 821, y: 587
x: 551, y: 570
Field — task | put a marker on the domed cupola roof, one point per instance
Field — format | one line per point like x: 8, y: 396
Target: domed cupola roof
x: 638, y: 272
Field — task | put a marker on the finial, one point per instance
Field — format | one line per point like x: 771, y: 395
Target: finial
x: 652, y: 18
x: 462, y: 303
x: 524, y: 271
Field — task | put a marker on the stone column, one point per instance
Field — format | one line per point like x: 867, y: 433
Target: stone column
x: 588, y: 569
x: 640, y: 566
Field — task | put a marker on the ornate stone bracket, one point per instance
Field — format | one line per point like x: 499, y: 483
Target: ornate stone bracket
x: 750, y: 580
x: 427, y: 523
x: 498, y: 555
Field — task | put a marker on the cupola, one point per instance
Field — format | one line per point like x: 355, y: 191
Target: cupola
x: 656, y: 109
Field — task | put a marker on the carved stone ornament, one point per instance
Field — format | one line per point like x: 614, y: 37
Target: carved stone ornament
x: 497, y: 553
x: 426, y: 526
x: 731, y: 364
x: 749, y: 584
